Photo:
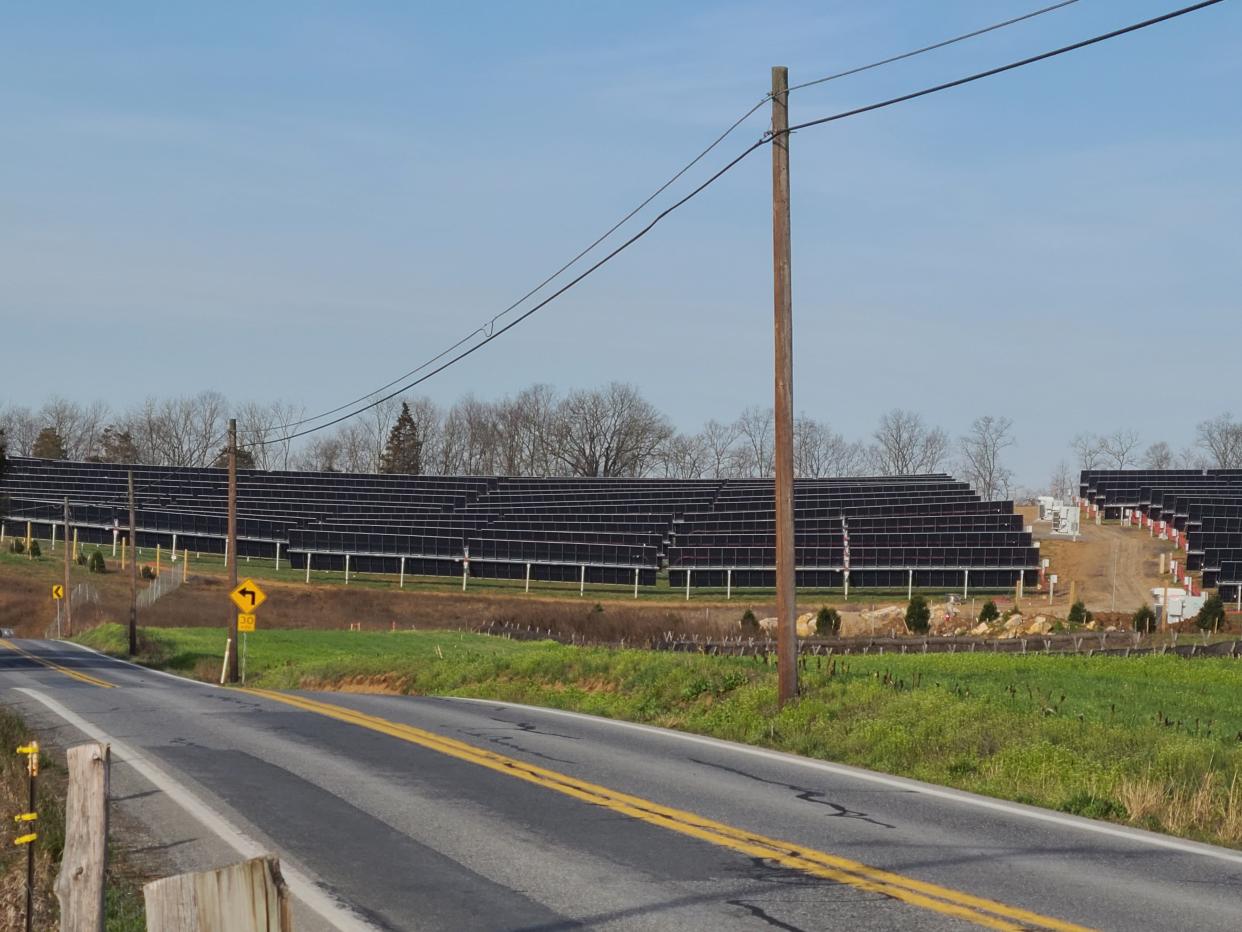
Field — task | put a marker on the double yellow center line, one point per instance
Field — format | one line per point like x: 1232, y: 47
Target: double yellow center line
x: 83, y: 677
x: 948, y: 902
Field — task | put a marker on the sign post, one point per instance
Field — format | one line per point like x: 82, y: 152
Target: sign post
x: 247, y: 596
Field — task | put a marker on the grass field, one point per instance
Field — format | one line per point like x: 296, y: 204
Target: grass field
x: 1153, y: 741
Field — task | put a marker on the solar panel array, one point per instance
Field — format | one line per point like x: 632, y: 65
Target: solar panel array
x: 1202, y: 509
x: 918, y: 530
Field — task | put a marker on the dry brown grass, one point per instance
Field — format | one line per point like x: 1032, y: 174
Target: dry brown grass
x: 1207, y: 808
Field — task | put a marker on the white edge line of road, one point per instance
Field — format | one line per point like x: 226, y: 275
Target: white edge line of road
x: 1135, y: 835
x: 305, y: 889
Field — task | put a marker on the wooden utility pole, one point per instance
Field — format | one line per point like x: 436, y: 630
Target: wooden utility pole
x: 231, y: 546
x: 133, y: 571
x: 782, y: 306
x: 68, y: 599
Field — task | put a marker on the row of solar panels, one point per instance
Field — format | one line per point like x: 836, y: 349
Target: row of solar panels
x: 550, y: 528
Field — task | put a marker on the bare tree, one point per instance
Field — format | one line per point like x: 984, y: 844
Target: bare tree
x: 613, y: 431
x: 682, y: 456
x: 1119, y: 447
x: 819, y: 451
x: 1158, y: 456
x: 718, y: 442
x: 756, y: 429
x: 1063, y: 485
x: 1089, y: 450
x: 1193, y: 458
x: 981, y: 450
x: 264, y: 429
x: 905, y: 446
x: 1221, y: 439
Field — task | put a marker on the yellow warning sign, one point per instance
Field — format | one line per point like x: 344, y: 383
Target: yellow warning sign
x: 245, y: 623
x: 248, y: 596
x: 58, y: 592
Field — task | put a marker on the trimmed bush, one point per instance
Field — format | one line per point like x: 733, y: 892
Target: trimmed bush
x: 97, y: 564
x: 827, y: 622
x: 16, y: 546
x: 1212, y: 616
x: 1145, y: 620
x: 148, y: 573
x: 989, y: 612
x: 1078, y: 613
x: 750, y: 623
x: 35, y: 549
x: 918, y: 615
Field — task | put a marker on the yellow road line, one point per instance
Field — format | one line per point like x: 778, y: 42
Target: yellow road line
x: 949, y: 902
x: 84, y: 677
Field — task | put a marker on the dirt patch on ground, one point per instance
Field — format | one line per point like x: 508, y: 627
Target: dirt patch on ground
x: 1130, y: 556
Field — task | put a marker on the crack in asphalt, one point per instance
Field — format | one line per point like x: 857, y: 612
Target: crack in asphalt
x: 761, y: 914
x: 803, y: 793
x: 508, y: 742
x: 532, y: 729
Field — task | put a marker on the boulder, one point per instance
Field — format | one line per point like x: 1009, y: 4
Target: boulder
x: 1014, y: 623
x: 806, y: 625
x: 981, y: 630
x: 767, y: 625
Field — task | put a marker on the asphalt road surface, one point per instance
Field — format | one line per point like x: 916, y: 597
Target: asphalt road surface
x: 390, y: 812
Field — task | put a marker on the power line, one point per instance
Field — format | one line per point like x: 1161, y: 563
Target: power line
x: 938, y: 45
x: 486, y: 327
x: 1010, y: 67
x: 764, y: 140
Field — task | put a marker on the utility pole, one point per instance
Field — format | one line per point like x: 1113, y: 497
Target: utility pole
x: 68, y: 600
x: 233, y: 675
x: 133, y: 571
x: 782, y: 306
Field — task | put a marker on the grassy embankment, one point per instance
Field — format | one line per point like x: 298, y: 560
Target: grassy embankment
x: 123, y: 902
x: 1152, y: 741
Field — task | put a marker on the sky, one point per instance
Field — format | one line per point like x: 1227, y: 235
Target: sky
x: 302, y: 201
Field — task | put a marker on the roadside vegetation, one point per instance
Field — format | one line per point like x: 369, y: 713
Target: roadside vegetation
x: 123, y: 903
x: 1154, y: 741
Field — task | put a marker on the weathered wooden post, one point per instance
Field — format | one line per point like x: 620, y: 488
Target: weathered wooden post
x: 246, y: 897
x: 80, y: 884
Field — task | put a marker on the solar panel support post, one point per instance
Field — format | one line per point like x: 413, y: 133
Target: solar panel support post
x: 347, y: 570
x: 728, y: 585
x: 688, y: 571
x: 230, y: 545
x: 582, y: 581
x: 308, y: 563
x: 133, y: 570
x: 910, y: 586
x: 636, y: 582
x: 528, y: 579
x: 782, y: 308
x: 965, y: 584
x: 278, y: 556
x: 68, y: 591
x: 401, y: 582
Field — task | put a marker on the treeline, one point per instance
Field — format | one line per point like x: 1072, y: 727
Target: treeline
x: 608, y: 431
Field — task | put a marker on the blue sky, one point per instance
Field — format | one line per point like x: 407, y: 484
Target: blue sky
x: 301, y: 201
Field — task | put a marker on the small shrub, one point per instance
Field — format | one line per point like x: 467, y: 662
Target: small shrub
x: 989, y: 612
x: 1091, y: 806
x: 1145, y: 620
x: 827, y: 622
x: 81, y: 561
x: 1212, y: 616
x: 35, y: 549
x: 97, y: 564
x: 148, y: 572
x: 918, y: 615
x: 598, y: 609
x: 16, y: 546
x: 750, y: 623
x: 1078, y: 613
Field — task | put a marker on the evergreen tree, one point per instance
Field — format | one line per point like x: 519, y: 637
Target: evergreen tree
x: 245, y: 459
x: 117, y: 446
x: 404, y: 451
x: 49, y: 445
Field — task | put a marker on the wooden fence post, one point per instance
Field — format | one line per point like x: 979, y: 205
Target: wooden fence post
x: 80, y: 884
x: 246, y: 897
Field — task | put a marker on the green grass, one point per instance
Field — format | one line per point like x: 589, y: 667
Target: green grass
x: 1155, y: 741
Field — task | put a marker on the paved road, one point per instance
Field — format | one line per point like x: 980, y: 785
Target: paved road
x: 398, y: 813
